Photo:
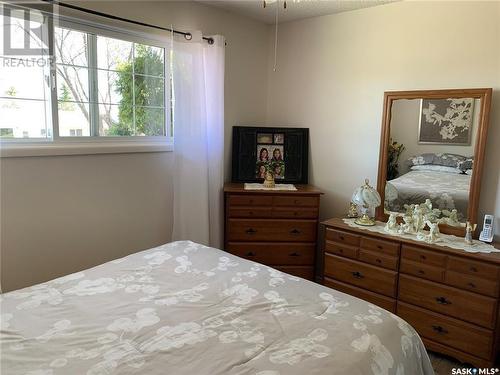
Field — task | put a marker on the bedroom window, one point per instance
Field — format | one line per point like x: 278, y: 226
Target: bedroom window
x: 100, y: 83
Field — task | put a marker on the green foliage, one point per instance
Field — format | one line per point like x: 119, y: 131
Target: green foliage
x: 64, y: 99
x: 134, y: 77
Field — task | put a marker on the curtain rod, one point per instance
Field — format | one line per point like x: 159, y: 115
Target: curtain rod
x: 186, y: 35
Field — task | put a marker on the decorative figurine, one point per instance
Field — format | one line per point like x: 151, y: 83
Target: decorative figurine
x: 452, y: 218
x: 353, y: 210
x: 426, y: 206
x: 433, y: 232
x: 469, y: 229
x: 407, y: 226
x: 269, y: 180
x: 409, y: 209
x: 418, y: 219
x: 392, y: 225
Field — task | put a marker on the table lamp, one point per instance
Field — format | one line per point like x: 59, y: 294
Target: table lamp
x: 366, y: 197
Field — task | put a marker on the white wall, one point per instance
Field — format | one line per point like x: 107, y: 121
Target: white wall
x: 333, y: 71
x: 67, y: 213
x: 404, y: 128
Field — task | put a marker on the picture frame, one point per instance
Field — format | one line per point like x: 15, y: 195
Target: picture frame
x: 446, y: 121
x: 286, y: 149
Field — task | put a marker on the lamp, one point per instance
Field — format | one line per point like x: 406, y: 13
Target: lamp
x: 366, y: 197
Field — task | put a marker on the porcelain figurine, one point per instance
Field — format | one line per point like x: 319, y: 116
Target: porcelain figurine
x: 451, y: 218
x: 407, y: 225
x: 433, y: 215
x: 433, y: 232
x: 409, y: 209
x: 392, y: 225
x: 426, y: 206
x: 418, y: 219
x: 469, y: 229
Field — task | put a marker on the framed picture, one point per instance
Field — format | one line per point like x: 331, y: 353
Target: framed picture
x: 446, y: 121
x: 285, y: 150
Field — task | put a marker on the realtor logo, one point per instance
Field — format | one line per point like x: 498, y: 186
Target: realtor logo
x: 28, y: 22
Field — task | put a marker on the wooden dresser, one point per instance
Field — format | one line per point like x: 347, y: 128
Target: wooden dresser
x: 276, y: 228
x: 449, y: 296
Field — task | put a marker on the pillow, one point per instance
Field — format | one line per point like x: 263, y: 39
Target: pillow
x: 466, y: 164
x: 436, y: 168
x: 447, y: 160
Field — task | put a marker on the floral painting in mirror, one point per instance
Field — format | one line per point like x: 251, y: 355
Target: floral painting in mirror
x: 446, y: 121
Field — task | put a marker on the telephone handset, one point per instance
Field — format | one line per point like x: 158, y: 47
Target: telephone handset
x: 487, y: 232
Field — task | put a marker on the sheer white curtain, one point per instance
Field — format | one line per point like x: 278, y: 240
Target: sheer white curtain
x: 198, y: 74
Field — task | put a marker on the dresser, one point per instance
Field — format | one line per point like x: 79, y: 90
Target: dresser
x: 275, y: 228
x: 449, y: 296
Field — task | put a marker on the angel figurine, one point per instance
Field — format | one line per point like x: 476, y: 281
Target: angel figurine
x: 469, y: 229
x: 418, y: 219
x: 391, y: 226
x: 433, y: 232
x: 433, y: 215
x: 407, y: 226
x: 409, y: 209
x: 426, y: 206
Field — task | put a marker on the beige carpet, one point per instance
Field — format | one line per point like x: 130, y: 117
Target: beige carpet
x: 442, y: 364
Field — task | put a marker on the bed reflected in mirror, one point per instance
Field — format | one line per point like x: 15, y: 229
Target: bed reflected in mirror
x: 431, y: 155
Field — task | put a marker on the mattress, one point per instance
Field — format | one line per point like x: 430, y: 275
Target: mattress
x: 184, y: 308
x: 447, y: 191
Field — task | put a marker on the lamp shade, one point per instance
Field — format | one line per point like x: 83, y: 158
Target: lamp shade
x: 366, y: 196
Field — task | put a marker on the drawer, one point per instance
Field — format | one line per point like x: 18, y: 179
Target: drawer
x: 250, y: 200
x: 341, y: 249
x: 295, y: 213
x: 303, y: 272
x: 274, y: 253
x: 377, y: 299
x: 259, y: 212
x: 382, y: 246
x: 417, y: 254
x: 362, y: 275
x: 422, y: 270
x: 448, y: 331
x: 470, y: 267
x: 271, y: 230
x: 472, y: 283
x: 342, y: 237
x: 378, y: 259
x: 446, y: 300
x: 296, y: 201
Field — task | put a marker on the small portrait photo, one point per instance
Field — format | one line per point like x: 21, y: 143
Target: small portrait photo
x: 264, y: 138
x: 276, y: 153
x: 260, y: 171
x: 263, y: 153
x: 279, y: 170
x: 279, y: 138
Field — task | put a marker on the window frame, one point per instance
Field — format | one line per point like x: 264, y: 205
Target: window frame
x: 93, y: 144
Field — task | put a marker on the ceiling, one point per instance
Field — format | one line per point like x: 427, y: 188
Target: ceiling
x: 295, y: 10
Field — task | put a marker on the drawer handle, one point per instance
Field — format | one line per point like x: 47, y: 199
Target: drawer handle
x: 250, y: 254
x: 357, y: 275
x: 380, y: 247
x: 294, y: 255
x: 296, y: 201
x: 295, y: 213
x: 378, y: 260
x: 422, y: 272
x: 251, y: 201
x: 342, y: 238
x: 472, y: 285
x: 295, y: 231
x: 341, y: 251
x: 423, y: 257
x: 442, y: 301
x: 250, y: 213
x: 250, y: 231
x: 440, y: 329
x: 473, y: 269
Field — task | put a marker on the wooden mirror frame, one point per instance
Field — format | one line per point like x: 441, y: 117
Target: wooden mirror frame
x: 484, y: 94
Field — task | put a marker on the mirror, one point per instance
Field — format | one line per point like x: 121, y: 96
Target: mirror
x: 432, y: 149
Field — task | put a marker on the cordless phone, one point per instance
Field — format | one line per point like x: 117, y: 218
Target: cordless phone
x: 487, y: 232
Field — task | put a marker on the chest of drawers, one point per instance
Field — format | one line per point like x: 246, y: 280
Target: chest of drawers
x: 449, y: 296
x: 276, y: 228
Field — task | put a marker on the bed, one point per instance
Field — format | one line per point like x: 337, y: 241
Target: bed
x: 184, y: 308
x: 447, y: 191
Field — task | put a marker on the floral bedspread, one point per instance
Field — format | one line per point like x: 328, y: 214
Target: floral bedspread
x: 184, y: 308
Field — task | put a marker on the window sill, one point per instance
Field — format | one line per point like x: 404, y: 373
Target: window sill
x: 81, y: 148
